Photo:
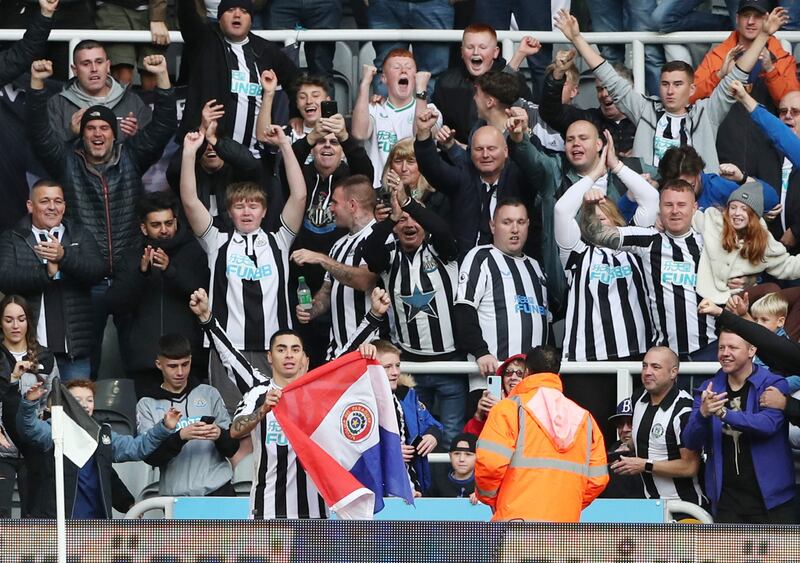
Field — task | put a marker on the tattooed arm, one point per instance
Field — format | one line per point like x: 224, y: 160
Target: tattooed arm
x: 242, y: 425
x: 600, y: 235
x: 359, y: 278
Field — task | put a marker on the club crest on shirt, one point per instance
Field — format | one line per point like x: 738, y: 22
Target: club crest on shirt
x: 429, y: 266
x: 357, y: 422
x: 657, y: 431
x: 106, y: 439
x: 199, y: 402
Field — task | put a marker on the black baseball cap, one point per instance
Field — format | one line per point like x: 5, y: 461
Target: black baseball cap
x: 758, y: 5
x: 470, y: 439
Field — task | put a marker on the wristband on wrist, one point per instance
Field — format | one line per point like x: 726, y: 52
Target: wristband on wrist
x: 648, y: 466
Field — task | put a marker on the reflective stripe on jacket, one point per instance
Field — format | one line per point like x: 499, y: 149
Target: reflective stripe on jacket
x: 540, y: 456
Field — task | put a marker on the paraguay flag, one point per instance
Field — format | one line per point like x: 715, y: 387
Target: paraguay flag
x: 340, y: 419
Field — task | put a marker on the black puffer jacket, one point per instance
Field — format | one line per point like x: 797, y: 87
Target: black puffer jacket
x: 22, y: 272
x: 103, y: 199
x: 158, y: 301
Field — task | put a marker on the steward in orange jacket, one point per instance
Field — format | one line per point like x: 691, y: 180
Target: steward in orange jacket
x: 780, y: 80
x: 540, y: 455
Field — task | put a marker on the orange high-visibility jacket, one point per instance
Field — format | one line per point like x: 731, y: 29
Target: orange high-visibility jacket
x: 540, y: 456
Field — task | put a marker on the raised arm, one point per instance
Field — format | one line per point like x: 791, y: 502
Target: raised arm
x: 196, y: 213
x: 15, y: 60
x: 240, y: 371
x: 645, y: 195
x: 295, y: 206
x: 567, y: 231
x: 255, y: 405
x: 361, y: 125
x: 269, y: 82
x: 782, y: 137
x: 47, y: 146
x: 149, y: 143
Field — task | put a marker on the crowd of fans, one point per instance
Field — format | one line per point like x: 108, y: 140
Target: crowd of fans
x: 458, y: 211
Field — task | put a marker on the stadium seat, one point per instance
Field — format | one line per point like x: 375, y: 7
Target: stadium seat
x: 115, y: 404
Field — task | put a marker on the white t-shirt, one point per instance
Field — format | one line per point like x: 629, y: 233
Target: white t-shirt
x: 389, y: 125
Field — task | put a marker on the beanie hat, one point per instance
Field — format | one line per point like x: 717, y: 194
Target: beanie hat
x: 226, y: 5
x: 101, y: 113
x: 752, y: 195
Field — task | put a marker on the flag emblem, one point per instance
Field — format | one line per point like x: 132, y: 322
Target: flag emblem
x: 357, y: 422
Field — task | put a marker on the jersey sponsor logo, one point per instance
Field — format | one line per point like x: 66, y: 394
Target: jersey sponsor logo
x: 357, y: 422
x: 386, y: 140
x: 528, y: 305
x: 186, y: 421
x: 275, y: 434
x: 240, y: 84
x: 607, y: 274
x: 242, y: 267
x: 678, y: 273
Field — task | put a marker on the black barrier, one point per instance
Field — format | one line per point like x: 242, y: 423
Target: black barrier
x: 284, y: 541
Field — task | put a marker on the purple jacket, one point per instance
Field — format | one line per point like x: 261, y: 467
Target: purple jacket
x: 768, y: 433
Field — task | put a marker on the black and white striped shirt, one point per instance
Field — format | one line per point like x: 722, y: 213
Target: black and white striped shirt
x: 657, y: 436
x: 281, y: 488
x: 246, y: 90
x: 510, y: 295
x: 249, y: 289
x: 348, y: 305
x: 670, y: 263
x: 608, y: 314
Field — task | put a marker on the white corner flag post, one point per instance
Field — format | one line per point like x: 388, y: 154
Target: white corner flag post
x: 57, y: 415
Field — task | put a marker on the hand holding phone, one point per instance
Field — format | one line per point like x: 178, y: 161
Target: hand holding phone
x: 328, y: 108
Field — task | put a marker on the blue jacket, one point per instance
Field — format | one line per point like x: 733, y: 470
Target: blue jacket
x: 715, y: 191
x: 768, y: 433
x: 111, y: 448
x: 419, y: 421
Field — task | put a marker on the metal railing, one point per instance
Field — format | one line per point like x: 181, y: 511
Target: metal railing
x: 507, y: 39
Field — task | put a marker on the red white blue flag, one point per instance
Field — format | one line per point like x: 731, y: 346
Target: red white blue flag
x: 340, y: 419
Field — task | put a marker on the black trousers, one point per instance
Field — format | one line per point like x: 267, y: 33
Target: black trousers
x: 782, y: 514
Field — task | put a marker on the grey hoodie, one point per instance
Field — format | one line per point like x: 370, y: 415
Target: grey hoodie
x: 199, y: 468
x: 120, y: 100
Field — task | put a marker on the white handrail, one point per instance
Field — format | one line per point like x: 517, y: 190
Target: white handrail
x: 681, y: 506
x: 506, y: 38
x: 167, y: 504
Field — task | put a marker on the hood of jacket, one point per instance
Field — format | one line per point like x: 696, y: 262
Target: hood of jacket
x: 75, y: 94
x: 162, y: 394
x: 559, y: 417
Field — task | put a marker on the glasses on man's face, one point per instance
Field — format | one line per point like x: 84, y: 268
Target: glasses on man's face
x: 794, y: 111
x: 514, y: 372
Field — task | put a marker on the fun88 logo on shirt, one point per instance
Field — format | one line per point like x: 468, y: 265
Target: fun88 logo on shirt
x: 242, y: 267
x: 607, y: 274
x: 528, y: 305
x: 678, y: 273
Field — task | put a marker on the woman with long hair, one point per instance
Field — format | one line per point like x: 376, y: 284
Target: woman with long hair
x: 737, y: 244
x: 23, y: 362
x: 401, y: 167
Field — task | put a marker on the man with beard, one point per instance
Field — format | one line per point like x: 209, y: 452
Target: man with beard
x: 152, y: 286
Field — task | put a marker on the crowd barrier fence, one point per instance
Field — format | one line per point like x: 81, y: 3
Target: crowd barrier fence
x: 637, y: 40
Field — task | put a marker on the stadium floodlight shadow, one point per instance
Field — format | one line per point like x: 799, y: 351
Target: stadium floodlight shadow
x: 115, y: 404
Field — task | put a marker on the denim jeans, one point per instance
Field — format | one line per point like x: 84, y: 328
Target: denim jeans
x: 396, y: 14
x: 310, y: 14
x: 447, y: 394
x: 682, y: 15
x: 73, y: 368
x: 629, y: 15
x: 531, y: 15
